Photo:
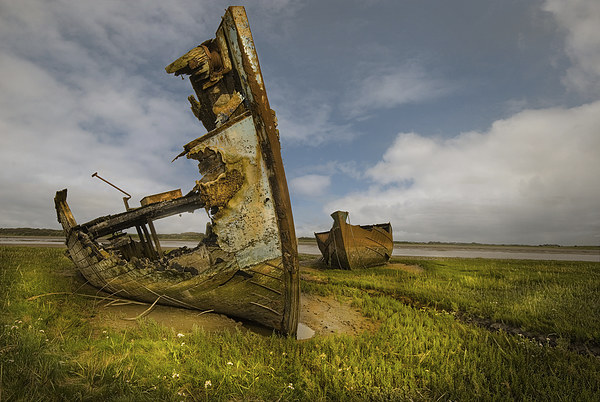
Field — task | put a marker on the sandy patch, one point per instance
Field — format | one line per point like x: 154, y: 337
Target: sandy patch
x: 328, y: 316
x: 179, y: 319
x: 323, y: 315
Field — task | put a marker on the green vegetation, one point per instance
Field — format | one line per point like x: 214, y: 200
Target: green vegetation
x: 50, y: 349
x: 556, y: 298
x: 182, y: 236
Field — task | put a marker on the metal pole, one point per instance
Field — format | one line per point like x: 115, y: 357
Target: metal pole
x: 110, y: 184
x: 141, y: 230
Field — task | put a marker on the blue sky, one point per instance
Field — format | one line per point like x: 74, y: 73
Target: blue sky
x: 475, y: 121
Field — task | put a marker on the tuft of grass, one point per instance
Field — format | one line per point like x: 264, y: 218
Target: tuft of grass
x: 50, y: 349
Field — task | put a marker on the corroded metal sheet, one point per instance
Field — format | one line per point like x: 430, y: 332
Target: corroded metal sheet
x: 247, y: 224
x: 355, y: 246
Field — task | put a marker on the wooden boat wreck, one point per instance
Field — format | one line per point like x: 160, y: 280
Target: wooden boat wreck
x: 247, y: 265
x: 348, y: 246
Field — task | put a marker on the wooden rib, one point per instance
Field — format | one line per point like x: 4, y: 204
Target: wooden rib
x: 272, y: 265
x: 375, y: 241
x: 372, y: 249
x: 263, y: 296
x: 270, y: 276
x: 266, y: 287
x: 267, y: 308
x: 167, y: 297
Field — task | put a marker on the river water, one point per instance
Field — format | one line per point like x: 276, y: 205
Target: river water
x: 399, y: 250
x: 513, y: 254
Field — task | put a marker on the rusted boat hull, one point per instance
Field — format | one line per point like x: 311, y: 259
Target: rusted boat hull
x: 247, y: 265
x: 348, y: 246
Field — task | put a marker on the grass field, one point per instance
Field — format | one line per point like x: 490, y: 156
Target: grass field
x: 430, y: 344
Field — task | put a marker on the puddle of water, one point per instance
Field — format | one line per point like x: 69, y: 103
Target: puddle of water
x: 304, y: 332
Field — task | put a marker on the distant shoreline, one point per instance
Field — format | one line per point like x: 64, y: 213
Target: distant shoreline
x: 47, y: 234
x: 58, y: 241
x: 477, y: 246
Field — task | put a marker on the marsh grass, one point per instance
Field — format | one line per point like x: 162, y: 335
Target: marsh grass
x: 557, y: 298
x: 50, y: 349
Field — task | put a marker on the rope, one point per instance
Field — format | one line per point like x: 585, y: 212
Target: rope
x: 144, y: 313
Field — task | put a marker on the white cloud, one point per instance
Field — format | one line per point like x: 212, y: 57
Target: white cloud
x: 581, y: 20
x: 70, y: 105
x: 310, y: 185
x: 389, y: 87
x: 55, y: 136
x: 310, y: 118
x: 84, y: 89
x: 530, y: 178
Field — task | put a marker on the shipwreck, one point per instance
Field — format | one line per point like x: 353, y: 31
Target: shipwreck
x: 349, y: 246
x: 247, y: 265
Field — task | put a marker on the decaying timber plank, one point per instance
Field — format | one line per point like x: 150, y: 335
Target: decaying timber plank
x: 164, y: 196
x: 113, y: 223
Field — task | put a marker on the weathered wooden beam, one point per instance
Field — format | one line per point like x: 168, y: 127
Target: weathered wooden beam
x: 113, y: 223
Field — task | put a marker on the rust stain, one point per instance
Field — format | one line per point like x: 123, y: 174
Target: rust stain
x: 166, y: 196
x: 349, y: 246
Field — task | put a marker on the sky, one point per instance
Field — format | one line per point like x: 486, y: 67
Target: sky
x: 456, y: 121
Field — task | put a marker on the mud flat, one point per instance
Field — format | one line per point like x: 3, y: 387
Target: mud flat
x: 483, y: 251
x: 33, y: 241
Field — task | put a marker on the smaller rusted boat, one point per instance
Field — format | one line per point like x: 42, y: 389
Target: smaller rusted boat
x: 348, y: 246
